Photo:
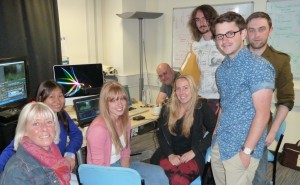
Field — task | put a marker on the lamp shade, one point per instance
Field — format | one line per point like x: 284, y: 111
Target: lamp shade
x: 140, y: 15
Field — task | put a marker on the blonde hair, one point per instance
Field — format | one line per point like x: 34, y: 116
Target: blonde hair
x: 174, y: 107
x: 109, y: 92
x: 29, y: 113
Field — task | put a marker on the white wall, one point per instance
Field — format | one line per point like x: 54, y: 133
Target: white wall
x: 72, y: 17
x: 164, y: 53
x: 118, y: 43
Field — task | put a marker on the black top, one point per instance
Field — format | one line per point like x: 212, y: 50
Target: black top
x: 204, y: 120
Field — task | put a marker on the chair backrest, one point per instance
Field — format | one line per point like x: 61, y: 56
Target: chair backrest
x: 280, y: 131
x: 198, y: 181
x: 81, y: 156
x: 208, y: 155
x: 80, y: 159
x: 98, y: 175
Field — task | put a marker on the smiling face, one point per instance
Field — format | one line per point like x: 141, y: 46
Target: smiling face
x: 117, y: 106
x: 165, y: 74
x: 183, y: 91
x: 41, y: 131
x: 258, y: 33
x: 230, y: 46
x: 55, y: 100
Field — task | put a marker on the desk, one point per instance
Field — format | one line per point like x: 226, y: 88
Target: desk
x: 149, y: 117
x: 135, y: 125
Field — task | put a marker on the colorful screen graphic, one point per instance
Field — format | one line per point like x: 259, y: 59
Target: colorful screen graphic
x: 79, y: 80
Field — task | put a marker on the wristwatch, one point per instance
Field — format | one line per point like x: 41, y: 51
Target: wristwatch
x: 247, y: 150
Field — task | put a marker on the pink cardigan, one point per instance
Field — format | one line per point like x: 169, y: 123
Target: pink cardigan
x: 99, y: 143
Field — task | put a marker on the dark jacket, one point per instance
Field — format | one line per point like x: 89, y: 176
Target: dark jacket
x: 23, y: 169
x: 283, y: 77
x: 204, y: 120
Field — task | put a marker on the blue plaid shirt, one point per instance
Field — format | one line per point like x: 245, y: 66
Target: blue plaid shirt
x: 237, y: 80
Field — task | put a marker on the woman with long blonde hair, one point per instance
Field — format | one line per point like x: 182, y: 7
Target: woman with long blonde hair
x: 185, y: 128
x: 108, y: 136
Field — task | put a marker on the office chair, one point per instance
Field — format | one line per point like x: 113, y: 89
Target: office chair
x: 94, y: 174
x: 81, y: 156
x: 80, y: 159
x: 199, y: 180
x: 273, y: 157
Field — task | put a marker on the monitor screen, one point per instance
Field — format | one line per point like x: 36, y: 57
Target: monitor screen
x: 128, y: 95
x: 14, y: 86
x: 86, y: 109
x: 79, y: 80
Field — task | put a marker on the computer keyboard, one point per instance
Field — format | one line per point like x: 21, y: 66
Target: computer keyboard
x: 137, y: 111
x: 9, y: 114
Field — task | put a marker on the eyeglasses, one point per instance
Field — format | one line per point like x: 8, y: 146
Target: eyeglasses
x: 229, y: 34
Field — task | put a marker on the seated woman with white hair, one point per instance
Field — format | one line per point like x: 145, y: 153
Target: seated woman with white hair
x: 38, y: 159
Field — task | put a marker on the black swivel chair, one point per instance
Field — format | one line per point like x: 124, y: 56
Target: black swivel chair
x: 80, y: 159
x: 274, y: 157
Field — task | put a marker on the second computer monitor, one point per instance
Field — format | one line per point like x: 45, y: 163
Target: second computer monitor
x: 79, y: 80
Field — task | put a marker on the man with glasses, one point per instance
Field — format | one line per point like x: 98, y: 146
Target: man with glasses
x: 246, y: 83
x: 208, y: 56
x: 167, y: 77
x: 259, y: 28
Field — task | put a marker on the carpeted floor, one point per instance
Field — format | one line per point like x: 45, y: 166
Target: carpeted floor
x: 284, y: 175
x: 146, y: 144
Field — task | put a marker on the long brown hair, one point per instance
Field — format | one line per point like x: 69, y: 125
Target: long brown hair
x: 109, y: 92
x: 44, y: 91
x: 174, y: 107
x: 210, y: 15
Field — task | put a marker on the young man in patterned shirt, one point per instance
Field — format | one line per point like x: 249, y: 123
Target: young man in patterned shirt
x: 246, y: 83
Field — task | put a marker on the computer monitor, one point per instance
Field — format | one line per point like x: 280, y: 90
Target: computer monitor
x: 79, y: 80
x: 86, y: 109
x: 14, y: 82
x: 129, y: 102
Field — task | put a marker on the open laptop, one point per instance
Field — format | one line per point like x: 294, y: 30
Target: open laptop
x: 86, y: 109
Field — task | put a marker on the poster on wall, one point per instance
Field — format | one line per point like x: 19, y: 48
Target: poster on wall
x: 182, y: 38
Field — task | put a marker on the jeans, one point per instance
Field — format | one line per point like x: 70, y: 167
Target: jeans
x: 261, y: 172
x: 152, y: 174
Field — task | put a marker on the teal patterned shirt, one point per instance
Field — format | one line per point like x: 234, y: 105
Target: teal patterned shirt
x: 237, y: 80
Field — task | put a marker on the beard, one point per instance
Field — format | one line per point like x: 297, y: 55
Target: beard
x: 258, y: 45
x: 203, y: 29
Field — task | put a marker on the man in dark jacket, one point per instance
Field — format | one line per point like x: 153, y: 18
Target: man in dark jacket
x: 259, y: 27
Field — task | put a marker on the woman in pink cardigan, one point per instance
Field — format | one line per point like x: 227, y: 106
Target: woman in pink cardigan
x: 108, y: 136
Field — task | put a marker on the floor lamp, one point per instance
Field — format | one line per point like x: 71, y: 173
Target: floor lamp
x: 140, y: 16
